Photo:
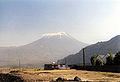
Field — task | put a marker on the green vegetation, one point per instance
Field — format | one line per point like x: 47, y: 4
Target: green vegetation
x: 112, y: 63
x: 99, y: 62
x: 110, y: 60
x: 95, y: 61
x: 117, y: 58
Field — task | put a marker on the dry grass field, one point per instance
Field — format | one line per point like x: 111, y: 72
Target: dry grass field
x: 34, y: 75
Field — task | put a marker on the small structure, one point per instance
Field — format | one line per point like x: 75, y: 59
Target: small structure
x: 54, y: 66
x: 50, y: 66
x: 62, y: 66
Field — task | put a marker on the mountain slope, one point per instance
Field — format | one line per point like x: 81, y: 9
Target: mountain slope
x: 50, y: 47
x: 100, y: 48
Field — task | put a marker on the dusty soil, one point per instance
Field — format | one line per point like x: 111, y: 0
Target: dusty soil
x: 32, y: 75
x: 10, y: 78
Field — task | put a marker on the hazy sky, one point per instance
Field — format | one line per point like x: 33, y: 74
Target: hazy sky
x: 89, y: 21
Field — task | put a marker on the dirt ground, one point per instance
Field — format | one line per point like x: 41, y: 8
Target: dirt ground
x: 35, y: 75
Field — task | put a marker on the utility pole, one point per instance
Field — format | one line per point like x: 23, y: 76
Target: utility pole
x: 19, y: 63
x: 83, y: 56
x: 65, y: 61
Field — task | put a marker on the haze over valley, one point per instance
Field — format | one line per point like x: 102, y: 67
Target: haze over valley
x: 49, y: 48
x: 59, y: 40
x: 44, y: 31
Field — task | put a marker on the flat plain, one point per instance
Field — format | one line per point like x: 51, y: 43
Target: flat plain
x: 37, y: 75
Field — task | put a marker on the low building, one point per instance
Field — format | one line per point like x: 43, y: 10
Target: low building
x: 62, y: 66
x: 54, y: 66
x: 50, y: 66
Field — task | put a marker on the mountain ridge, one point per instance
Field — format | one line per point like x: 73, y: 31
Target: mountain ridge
x: 100, y: 48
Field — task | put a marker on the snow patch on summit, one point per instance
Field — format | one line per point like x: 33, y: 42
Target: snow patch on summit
x: 60, y: 34
x: 55, y: 34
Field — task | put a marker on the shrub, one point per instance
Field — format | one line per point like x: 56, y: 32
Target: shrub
x: 109, y: 60
x: 117, y: 58
x: 99, y: 62
x: 93, y: 60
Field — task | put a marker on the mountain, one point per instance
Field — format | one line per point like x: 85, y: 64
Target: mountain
x: 100, y: 48
x: 50, y: 47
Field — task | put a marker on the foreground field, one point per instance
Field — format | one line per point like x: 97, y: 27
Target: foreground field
x: 33, y: 75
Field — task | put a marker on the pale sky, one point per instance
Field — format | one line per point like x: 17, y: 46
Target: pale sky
x: 89, y: 21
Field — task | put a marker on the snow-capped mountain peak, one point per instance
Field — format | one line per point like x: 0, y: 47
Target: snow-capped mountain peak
x: 49, y: 48
x: 55, y: 34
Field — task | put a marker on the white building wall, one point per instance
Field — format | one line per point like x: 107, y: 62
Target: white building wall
x: 61, y: 66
